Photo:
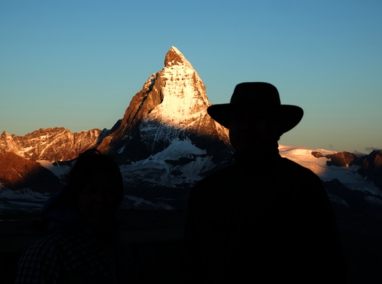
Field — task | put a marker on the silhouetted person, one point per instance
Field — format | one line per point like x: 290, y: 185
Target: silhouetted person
x: 80, y: 242
x: 264, y: 219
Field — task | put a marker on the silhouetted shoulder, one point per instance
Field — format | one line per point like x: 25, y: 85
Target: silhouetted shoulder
x: 42, y: 261
x: 73, y: 256
x: 305, y: 185
x: 298, y: 170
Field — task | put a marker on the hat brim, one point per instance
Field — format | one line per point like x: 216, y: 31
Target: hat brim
x: 285, y: 116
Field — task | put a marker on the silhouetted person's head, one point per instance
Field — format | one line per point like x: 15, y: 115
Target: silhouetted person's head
x: 255, y: 117
x: 95, y: 187
x: 249, y: 134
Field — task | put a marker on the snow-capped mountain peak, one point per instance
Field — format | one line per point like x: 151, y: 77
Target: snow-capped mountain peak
x: 175, y: 57
x: 183, y: 92
x: 171, y: 105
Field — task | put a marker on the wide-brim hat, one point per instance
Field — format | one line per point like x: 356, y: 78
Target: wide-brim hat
x: 261, y: 99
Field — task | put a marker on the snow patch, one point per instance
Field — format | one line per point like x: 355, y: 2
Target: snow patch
x: 58, y: 170
x: 140, y: 203
x: 121, y: 149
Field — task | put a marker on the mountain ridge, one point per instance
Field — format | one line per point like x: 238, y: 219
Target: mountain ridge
x: 164, y: 143
x: 52, y: 144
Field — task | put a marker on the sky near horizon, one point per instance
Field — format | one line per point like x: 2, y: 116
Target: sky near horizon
x: 77, y: 64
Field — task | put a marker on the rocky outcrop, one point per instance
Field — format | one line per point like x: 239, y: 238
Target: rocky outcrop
x: 344, y: 159
x: 340, y: 159
x: 317, y: 154
x: 18, y: 173
x: 52, y: 144
x: 174, y: 57
x: 372, y: 167
x: 371, y: 164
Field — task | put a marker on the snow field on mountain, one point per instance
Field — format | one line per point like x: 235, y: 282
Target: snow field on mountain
x: 156, y: 169
x: 182, y: 99
x: 346, y: 175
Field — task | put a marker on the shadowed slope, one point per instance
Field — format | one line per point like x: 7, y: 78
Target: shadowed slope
x: 18, y: 173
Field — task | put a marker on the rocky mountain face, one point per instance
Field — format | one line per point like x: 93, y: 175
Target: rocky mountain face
x: 340, y: 159
x: 17, y: 173
x: 51, y: 144
x: 166, y: 139
x: 171, y: 105
x: 372, y: 167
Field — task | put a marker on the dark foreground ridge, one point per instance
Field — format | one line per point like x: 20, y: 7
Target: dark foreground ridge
x: 156, y: 238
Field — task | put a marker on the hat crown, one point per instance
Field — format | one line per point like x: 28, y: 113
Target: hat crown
x: 255, y: 93
x: 259, y: 99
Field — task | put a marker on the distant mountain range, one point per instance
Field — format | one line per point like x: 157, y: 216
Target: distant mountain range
x: 164, y: 143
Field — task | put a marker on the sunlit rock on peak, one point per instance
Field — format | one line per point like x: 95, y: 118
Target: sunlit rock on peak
x: 175, y: 57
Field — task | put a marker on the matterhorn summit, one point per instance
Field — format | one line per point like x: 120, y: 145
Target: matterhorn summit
x: 183, y: 106
x: 184, y: 94
x: 171, y: 105
x: 166, y: 138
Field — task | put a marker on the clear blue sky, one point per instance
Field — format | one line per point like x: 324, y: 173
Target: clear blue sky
x: 77, y: 64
